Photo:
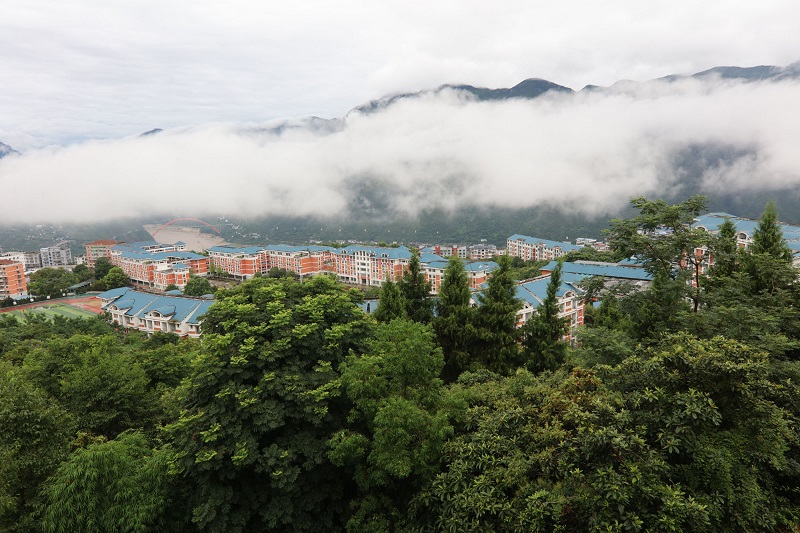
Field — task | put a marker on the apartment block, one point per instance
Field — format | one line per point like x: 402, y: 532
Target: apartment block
x: 56, y: 256
x: 31, y: 260
x: 98, y: 249
x: 535, y: 249
x: 12, y: 279
x: 157, y: 265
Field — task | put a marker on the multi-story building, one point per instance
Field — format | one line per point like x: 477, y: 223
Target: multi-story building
x: 447, y: 250
x: 240, y: 263
x: 31, y: 260
x: 150, y: 313
x: 244, y: 263
x: 56, y: 256
x: 535, y: 249
x: 482, y: 252
x: 477, y: 273
x: 99, y: 248
x: 142, y: 261
x: 302, y: 260
x: 12, y: 279
x: 570, y: 300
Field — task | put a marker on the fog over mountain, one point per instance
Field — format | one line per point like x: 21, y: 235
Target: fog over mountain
x: 727, y: 131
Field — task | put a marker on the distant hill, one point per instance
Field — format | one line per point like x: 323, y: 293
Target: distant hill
x: 6, y: 150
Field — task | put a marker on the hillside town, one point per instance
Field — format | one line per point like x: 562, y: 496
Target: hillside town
x: 158, y: 272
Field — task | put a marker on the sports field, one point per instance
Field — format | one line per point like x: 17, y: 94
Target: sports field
x: 54, y: 310
x: 74, y: 307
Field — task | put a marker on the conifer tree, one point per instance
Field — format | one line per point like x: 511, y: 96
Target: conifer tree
x: 725, y: 250
x: 768, y: 236
x: 769, y: 262
x: 391, y: 305
x: 543, y: 334
x: 416, y: 291
x: 495, y: 347
x: 454, y: 321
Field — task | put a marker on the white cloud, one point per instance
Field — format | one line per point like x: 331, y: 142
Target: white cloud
x: 586, y: 152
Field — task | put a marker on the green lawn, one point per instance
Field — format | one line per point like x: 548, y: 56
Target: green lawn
x: 53, y: 310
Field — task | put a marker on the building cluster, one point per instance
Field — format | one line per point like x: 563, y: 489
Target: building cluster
x: 745, y: 230
x: 355, y: 264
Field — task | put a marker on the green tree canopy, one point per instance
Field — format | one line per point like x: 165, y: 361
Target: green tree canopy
x: 115, y: 278
x: 454, y: 323
x: 259, y: 409
x: 101, y: 267
x: 416, y: 291
x: 198, y: 286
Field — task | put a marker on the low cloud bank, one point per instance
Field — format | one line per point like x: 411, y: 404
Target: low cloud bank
x: 586, y: 152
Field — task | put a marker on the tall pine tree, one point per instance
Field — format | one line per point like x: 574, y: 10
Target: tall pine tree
x: 454, y: 321
x: 416, y: 291
x: 543, y: 335
x: 495, y: 347
x: 392, y: 304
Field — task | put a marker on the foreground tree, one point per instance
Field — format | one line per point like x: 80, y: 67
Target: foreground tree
x: 495, y: 347
x: 115, y: 278
x: 34, y: 439
x: 391, y: 305
x: 119, y: 485
x: 663, y: 239
x: 543, y: 335
x: 769, y: 261
x: 416, y: 291
x: 397, y: 426
x: 454, y: 323
x: 198, y: 286
x: 101, y: 267
x: 259, y: 409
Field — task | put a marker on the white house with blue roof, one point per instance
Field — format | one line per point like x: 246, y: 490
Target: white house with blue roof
x: 150, y: 313
x: 536, y: 249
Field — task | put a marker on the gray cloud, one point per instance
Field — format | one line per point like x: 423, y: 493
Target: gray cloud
x: 587, y: 152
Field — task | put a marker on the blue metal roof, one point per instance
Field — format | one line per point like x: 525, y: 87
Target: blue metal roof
x: 139, y: 303
x: 609, y: 270
x: 246, y: 250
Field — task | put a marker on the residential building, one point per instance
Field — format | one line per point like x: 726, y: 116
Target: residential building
x: 31, y: 260
x: 482, y: 252
x: 535, y: 249
x: 244, y: 263
x: 448, y: 250
x: 158, y: 265
x: 477, y: 273
x: 56, y: 256
x: 98, y: 249
x: 240, y: 263
x: 570, y: 300
x: 12, y: 279
x: 151, y: 313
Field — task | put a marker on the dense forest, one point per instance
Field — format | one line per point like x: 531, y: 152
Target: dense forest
x: 675, y: 409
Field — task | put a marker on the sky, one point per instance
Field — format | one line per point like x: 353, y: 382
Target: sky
x: 81, y: 80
